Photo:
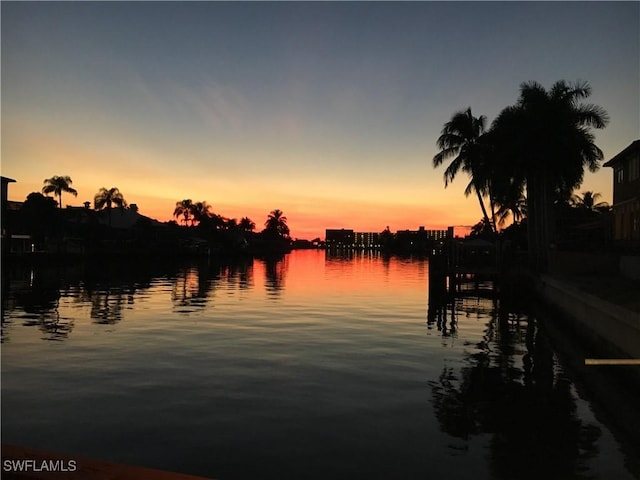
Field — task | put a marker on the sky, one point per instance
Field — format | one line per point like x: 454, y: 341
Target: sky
x: 328, y: 111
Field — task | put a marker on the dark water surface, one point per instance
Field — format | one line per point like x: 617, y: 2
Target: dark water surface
x: 310, y: 366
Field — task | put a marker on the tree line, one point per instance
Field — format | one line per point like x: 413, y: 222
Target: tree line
x: 190, y: 212
x: 52, y: 228
x: 532, y: 157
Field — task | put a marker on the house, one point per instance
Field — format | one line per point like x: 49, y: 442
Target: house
x: 626, y: 194
x: 4, y: 199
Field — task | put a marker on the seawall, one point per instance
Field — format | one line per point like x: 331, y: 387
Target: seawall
x: 601, y: 321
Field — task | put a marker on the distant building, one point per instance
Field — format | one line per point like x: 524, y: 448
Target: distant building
x: 438, y: 235
x: 367, y: 240
x: 626, y: 193
x: 341, y: 238
x: 420, y: 239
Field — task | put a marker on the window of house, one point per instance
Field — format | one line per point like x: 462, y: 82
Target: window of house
x: 634, y: 169
x: 619, y: 175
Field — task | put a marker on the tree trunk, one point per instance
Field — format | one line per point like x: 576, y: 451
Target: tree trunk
x: 492, y: 203
x: 532, y: 210
x: 482, y: 207
x: 545, y: 219
x: 538, y: 221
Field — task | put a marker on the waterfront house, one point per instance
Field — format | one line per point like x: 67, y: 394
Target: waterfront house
x: 626, y: 195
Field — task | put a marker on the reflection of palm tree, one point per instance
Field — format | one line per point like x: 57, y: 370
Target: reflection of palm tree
x: 461, y: 138
x: 184, y: 209
x: 57, y: 185
x: 275, y: 269
x: 40, y: 301
x: 518, y: 407
x: 106, y: 198
x: 192, y: 286
x: 107, y: 305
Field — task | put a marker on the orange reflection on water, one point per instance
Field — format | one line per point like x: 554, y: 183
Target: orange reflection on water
x: 318, y: 273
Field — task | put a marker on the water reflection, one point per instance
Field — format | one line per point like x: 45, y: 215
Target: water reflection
x: 275, y: 272
x: 323, y: 355
x: 509, y: 388
x: 32, y: 293
x: 36, y: 293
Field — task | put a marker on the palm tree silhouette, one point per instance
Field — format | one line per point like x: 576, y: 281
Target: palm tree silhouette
x: 461, y: 138
x: 184, y: 209
x: 106, y: 198
x: 545, y: 142
x: 587, y: 201
x: 516, y: 209
x: 57, y: 185
x: 246, y: 224
x: 200, y: 211
x: 276, y: 224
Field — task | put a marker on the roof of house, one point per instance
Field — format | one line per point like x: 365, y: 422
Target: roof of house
x: 121, y: 217
x: 623, y: 154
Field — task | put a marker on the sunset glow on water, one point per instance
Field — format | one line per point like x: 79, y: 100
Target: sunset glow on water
x: 310, y: 366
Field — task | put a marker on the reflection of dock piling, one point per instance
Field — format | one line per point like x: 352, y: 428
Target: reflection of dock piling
x: 459, y: 269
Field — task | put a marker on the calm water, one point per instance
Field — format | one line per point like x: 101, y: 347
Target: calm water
x: 311, y: 366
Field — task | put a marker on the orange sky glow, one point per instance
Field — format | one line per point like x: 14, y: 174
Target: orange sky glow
x: 304, y: 107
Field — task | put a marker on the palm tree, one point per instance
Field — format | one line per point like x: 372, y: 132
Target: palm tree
x: 57, y: 185
x: 588, y: 201
x: 547, y: 139
x: 200, y: 211
x: 461, y: 138
x: 514, y: 207
x: 184, y: 209
x: 276, y: 224
x: 481, y: 229
x: 246, y: 224
x: 106, y: 198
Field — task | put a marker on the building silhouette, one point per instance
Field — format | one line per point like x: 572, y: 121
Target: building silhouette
x: 626, y: 194
x: 420, y: 239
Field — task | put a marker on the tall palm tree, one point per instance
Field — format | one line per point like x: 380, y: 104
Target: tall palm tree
x: 184, y: 208
x: 461, y: 138
x: 276, y: 224
x: 105, y: 198
x: 547, y: 138
x: 57, y: 185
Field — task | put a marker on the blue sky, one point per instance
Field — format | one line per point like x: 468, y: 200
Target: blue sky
x: 329, y: 111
